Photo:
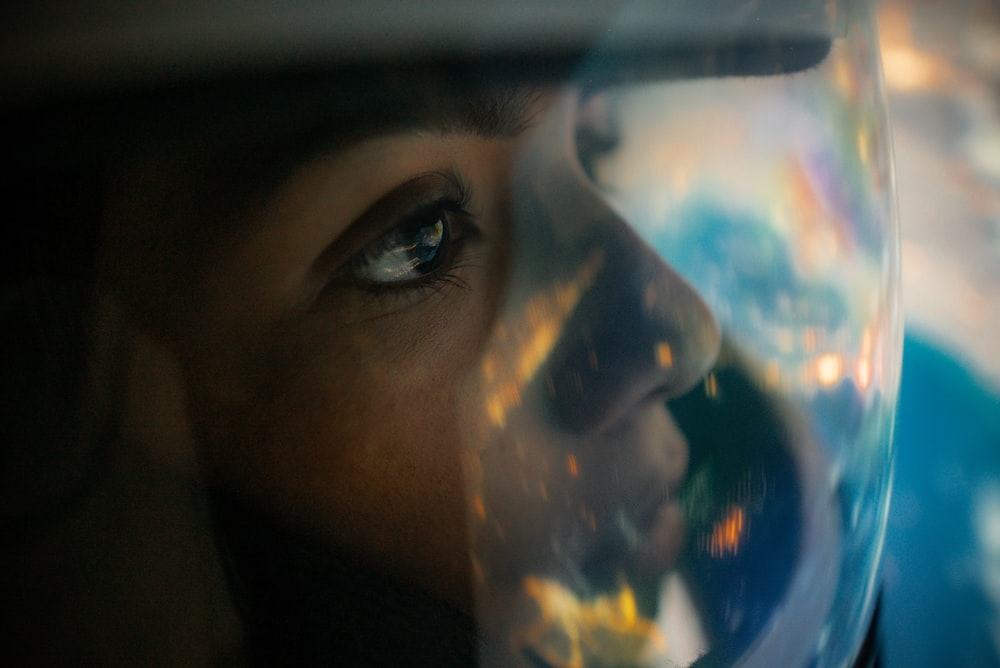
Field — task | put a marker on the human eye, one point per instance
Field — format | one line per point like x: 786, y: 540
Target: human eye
x: 416, y: 237
x: 418, y: 248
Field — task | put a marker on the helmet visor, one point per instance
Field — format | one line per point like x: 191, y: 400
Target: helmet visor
x: 688, y: 392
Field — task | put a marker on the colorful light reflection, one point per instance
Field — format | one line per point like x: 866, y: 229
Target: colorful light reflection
x: 572, y: 632
x: 526, y: 343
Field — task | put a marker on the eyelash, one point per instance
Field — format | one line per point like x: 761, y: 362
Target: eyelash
x: 458, y: 229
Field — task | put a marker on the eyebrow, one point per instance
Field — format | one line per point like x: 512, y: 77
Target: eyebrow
x: 487, y: 111
x: 247, y: 140
x: 332, y: 123
x: 502, y: 113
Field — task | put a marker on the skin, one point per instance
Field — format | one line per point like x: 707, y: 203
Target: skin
x: 342, y: 410
x: 360, y: 412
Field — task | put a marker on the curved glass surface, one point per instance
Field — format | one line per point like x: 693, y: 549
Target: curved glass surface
x: 689, y: 391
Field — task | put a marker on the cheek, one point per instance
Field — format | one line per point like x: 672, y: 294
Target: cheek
x: 528, y: 503
x: 379, y: 475
x: 356, y: 435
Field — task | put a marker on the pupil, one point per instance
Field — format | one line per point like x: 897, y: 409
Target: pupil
x: 428, y: 243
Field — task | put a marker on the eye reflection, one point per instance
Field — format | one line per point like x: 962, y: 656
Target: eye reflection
x: 410, y: 251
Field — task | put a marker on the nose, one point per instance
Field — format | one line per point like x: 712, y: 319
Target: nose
x: 638, y: 331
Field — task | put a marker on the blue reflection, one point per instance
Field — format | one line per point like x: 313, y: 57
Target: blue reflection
x: 743, y: 266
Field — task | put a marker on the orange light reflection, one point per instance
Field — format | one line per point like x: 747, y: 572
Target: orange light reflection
x: 572, y: 466
x: 664, y: 355
x: 829, y: 369
x: 526, y: 343
x: 908, y: 68
x: 569, y: 631
x: 727, y: 534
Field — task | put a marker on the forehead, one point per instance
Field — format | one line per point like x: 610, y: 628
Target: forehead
x: 345, y: 105
x: 240, y: 139
x: 201, y: 165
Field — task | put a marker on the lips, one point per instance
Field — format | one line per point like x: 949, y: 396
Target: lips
x: 645, y: 529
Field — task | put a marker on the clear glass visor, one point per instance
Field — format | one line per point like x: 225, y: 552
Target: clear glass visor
x: 688, y: 390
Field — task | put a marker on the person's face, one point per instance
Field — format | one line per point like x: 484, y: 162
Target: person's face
x: 440, y: 351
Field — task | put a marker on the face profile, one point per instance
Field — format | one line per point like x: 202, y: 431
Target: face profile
x: 438, y: 350
x: 590, y: 346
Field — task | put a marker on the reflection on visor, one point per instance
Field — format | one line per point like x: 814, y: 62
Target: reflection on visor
x: 640, y: 500
x: 569, y: 632
x: 743, y: 511
x: 529, y: 339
